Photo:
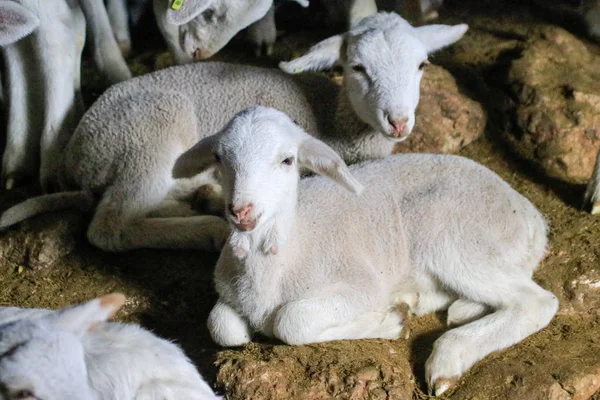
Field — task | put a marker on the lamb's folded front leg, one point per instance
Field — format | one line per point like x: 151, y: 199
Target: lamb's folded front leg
x: 227, y: 327
x: 592, y: 194
x: 347, y: 312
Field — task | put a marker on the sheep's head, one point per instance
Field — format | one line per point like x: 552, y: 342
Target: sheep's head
x: 383, y: 58
x: 259, y: 154
x: 43, y: 358
x: 205, y: 26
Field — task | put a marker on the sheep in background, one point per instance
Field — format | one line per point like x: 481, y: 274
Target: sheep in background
x: 121, y: 157
x: 42, y: 81
x: 592, y: 193
x: 200, y: 28
x: 307, y: 261
x: 74, y: 354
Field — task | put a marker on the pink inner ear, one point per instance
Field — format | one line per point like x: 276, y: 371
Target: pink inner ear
x: 15, y: 22
x: 112, y: 303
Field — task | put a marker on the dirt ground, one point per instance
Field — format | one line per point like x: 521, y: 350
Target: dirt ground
x: 46, y: 261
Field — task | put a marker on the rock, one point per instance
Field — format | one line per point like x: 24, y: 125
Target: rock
x: 556, y: 84
x: 348, y: 370
x: 42, y: 241
x: 446, y: 119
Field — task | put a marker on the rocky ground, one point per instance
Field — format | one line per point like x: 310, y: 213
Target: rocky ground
x: 522, y: 93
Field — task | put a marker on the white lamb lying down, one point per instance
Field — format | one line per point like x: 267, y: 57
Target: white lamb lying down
x: 74, y: 354
x: 592, y: 194
x: 309, y: 261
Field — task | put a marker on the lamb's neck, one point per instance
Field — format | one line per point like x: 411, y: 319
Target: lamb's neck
x: 354, y: 139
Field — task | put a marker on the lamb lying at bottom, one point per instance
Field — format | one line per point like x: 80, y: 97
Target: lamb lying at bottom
x: 308, y: 261
x: 592, y: 194
x: 74, y: 354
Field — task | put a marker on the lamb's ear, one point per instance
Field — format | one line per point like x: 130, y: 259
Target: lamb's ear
x: 196, y: 159
x: 81, y: 318
x: 322, y: 159
x: 183, y: 11
x: 16, y: 22
x: 436, y: 37
x: 321, y: 56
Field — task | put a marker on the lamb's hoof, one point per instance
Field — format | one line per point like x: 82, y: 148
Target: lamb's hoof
x: 125, y: 46
x: 596, y: 208
x: 441, y: 386
x: 10, y: 183
x: 264, y: 49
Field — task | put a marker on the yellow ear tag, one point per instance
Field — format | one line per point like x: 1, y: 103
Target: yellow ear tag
x: 177, y: 4
x: 297, y: 70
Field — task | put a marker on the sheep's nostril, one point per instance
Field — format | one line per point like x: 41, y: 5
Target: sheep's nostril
x: 242, y: 214
x: 197, y: 54
x: 398, y: 126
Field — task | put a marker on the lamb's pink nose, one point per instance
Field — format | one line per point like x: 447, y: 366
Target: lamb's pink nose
x: 197, y: 55
x: 242, y: 214
x: 398, y: 126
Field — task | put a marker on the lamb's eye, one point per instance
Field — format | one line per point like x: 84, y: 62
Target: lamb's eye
x: 359, y: 68
x: 288, y: 161
x: 217, y: 157
x: 423, y: 65
x: 23, y: 395
x: 208, y: 14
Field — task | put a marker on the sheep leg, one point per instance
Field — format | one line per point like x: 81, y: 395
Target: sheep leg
x: 23, y: 125
x: 118, y: 16
x: 57, y: 49
x: 360, y: 9
x: 592, y: 193
x: 107, y: 55
x: 120, y: 222
x: 227, y: 327
x: 337, y: 316
x: 520, y: 312
x: 263, y: 33
x: 172, y: 208
x: 463, y: 311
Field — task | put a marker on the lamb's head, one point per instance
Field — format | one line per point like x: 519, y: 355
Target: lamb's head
x: 383, y: 58
x: 259, y: 155
x: 205, y: 26
x: 43, y: 358
x: 16, y: 22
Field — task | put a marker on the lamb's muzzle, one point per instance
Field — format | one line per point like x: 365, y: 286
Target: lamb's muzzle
x: 242, y: 217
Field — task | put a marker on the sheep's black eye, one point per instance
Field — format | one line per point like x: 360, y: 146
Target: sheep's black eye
x: 22, y: 395
x: 217, y: 157
x: 359, y: 68
x: 208, y: 14
x: 423, y: 65
x: 288, y: 161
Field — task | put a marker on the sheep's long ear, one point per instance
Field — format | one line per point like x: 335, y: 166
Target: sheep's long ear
x: 322, y: 55
x: 322, y: 159
x: 196, y: 159
x: 16, y: 22
x: 183, y: 11
x: 81, y: 318
x: 436, y: 37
